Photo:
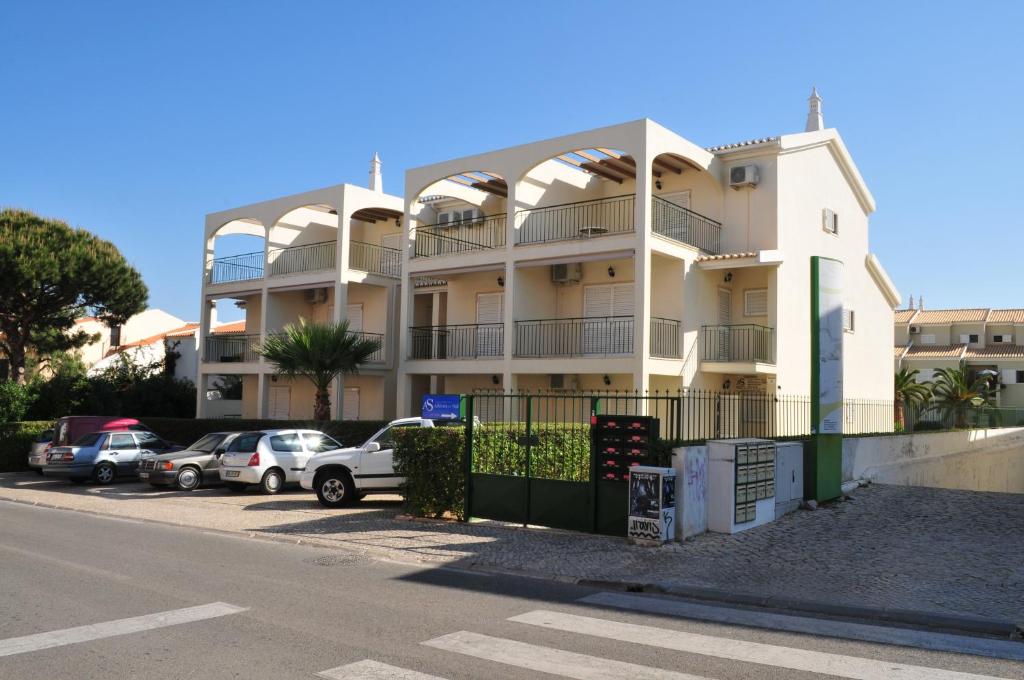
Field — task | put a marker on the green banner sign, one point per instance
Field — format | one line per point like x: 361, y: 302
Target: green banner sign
x: 824, y: 462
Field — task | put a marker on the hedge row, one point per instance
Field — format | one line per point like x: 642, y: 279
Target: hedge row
x: 558, y: 452
x: 431, y: 460
x: 15, y: 441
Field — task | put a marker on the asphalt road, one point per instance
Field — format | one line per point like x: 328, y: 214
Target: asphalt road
x: 85, y: 596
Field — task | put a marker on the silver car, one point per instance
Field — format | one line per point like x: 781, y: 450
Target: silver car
x: 104, y: 456
x: 37, y: 452
x: 196, y: 465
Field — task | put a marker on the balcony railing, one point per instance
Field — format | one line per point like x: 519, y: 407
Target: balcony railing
x: 747, y: 342
x: 583, y: 219
x: 307, y: 258
x: 468, y: 341
x: 683, y: 225
x: 591, y: 336
x: 233, y: 348
x: 665, y: 338
x: 451, y: 238
x: 378, y: 356
x: 237, y: 268
x: 369, y: 257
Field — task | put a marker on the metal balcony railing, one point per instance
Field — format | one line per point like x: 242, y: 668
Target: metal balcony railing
x: 236, y: 268
x: 686, y: 226
x: 306, y: 258
x: 369, y: 257
x: 591, y: 336
x: 582, y: 219
x: 665, y: 338
x: 466, y: 341
x: 378, y: 356
x: 451, y: 238
x: 746, y: 342
x: 231, y: 348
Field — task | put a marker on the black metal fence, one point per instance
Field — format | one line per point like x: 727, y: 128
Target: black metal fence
x: 237, y: 268
x: 686, y: 226
x: 378, y: 356
x: 370, y: 257
x: 743, y: 342
x: 466, y: 341
x: 582, y: 219
x: 932, y: 416
x: 459, y: 237
x: 305, y: 258
x: 233, y: 348
x: 666, y: 338
x: 591, y: 336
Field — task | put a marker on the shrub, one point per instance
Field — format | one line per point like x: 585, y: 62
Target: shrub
x: 561, y: 451
x: 15, y: 440
x: 185, y: 431
x: 431, y: 460
x: 14, y: 401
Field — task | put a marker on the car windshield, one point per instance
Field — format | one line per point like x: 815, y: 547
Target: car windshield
x: 88, y: 439
x: 45, y: 436
x: 207, y: 444
x: 318, y: 442
x: 245, y: 443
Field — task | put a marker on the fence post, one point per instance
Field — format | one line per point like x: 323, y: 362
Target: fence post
x: 529, y: 448
x: 467, y: 508
x: 594, y: 405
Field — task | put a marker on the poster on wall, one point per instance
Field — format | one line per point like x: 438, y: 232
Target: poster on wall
x: 830, y: 346
x: 652, y: 503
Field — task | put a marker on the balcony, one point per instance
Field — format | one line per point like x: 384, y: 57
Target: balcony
x: 583, y: 219
x: 451, y: 238
x: 466, y: 341
x: 306, y: 258
x: 685, y: 226
x: 237, y: 268
x: 581, y: 337
x: 369, y: 257
x: 235, y: 348
x: 665, y: 338
x: 378, y: 356
x: 746, y: 344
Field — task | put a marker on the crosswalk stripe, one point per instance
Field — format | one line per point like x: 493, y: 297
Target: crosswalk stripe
x: 98, y: 631
x: 548, y: 660
x: 374, y: 670
x: 856, y: 668
x: 922, y: 639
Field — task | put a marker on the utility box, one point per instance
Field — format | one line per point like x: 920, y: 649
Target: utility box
x: 652, y: 504
x: 741, y: 488
x: 789, y: 477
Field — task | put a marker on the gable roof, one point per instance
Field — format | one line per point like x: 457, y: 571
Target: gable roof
x: 1006, y: 316
x: 904, y: 315
x: 944, y: 316
x: 935, y: 352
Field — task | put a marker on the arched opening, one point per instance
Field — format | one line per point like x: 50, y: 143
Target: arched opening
x: 236, y: 252
x: 682, y: 196
x: 375, y: 241
x: 461, y: 213
x: 304, y: 239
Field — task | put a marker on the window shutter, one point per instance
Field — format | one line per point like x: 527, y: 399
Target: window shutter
x: 350, y: 405
x: 597, y: 301
x: 829, y: 221
x: 964, y: 339
x: 391, y: 241
x: 848, y: 320
x: 468, y: 215
x: 755, y: 302
x: 490, y: 308
x: 1010, y: 376
x: 355, y: 318
x: 623, y: 300
x: 279, y: 406
x: 928, y: 339
x: 442, y: 218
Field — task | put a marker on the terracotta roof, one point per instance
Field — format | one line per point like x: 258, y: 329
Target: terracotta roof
x: 936, y: 351
x: 725, y: 256
x: 86, y: 319
x: 232, y: 327
x: 740, y: 145
x: 941, y: 316
x: 1006, y: 316
x: 187, y: 329
x: 1001, y: 351
x: 898, y: 350
x: 905, y: 315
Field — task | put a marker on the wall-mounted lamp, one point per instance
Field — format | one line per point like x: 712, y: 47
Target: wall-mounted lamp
x: 728, y: 277
x: 611, y: 272
x: 727, y: 384
x: 501, y: 281
x: 657, y: 184
x: 495, y: 380
x: 607, y: 380
x: 398, y: 221
x: 332, y: 212
x: 273, y: 378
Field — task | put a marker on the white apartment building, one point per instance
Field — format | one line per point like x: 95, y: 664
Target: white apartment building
x: 630, y: 258
x: 328, y: 254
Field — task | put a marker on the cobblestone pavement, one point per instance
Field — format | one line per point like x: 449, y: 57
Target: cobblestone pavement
x: 933, y: 550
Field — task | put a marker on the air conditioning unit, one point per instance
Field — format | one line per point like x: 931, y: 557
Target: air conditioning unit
x: 743, y: 176
x: 563, y: 274
x: 561, y: 381
x: 316, y: 296
x: 914, y: 330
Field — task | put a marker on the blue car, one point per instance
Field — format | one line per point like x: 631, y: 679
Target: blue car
x: 104, y: 456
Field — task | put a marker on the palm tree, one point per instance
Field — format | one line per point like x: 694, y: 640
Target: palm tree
x: 320, y: 352
x: 955, y: 393
x: 908, y: 391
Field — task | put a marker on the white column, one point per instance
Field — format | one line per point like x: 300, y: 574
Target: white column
x: 403, y: 392
x: 341, y: 255
x: 642, y: 271
x: 261, y: 395
x: 509, y: 319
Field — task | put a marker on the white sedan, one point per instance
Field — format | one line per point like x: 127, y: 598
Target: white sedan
x: 271, y: 458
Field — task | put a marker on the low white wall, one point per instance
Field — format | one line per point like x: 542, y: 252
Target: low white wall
x: 691, y: 466
x: 975, y: 460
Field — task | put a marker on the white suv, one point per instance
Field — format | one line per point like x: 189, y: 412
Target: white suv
x: 271, y: 458
x: 345, y: 476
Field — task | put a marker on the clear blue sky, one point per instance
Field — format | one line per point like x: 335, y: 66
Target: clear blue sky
x: 135, y: 119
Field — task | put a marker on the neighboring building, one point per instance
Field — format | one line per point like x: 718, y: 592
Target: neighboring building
x: 977, y: 339
x: 143, y: 329
x: 328, y: 254
x: 629, y: 258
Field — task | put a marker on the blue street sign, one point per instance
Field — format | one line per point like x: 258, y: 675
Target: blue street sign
x: 441, y: 406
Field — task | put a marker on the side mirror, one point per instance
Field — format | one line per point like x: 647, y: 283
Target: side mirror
x: 372, y: 447
x: 218, y: 453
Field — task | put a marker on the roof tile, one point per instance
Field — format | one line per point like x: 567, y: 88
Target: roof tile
x: 1006, y: 316
x: 935, y: 351
x: 941, y: 316
x: 725, y: 256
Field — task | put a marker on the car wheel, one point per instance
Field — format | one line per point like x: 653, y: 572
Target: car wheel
x: 104, y: 473
x: 334, y: 488
x: 237, y: 487
x: 272, y: 481
x: 189, y: 479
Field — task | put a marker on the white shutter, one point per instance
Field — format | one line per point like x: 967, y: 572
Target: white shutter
x: 279, y: 403
x: 755, y: 302
x: 724, y: 306
x: 680, y: 198
x: 623, y: 300
x: 350, y: 404
x: 597, y: 301
x: 829, y: 221
x: 965, y: 339
x: 355, y: 318
x: 490, y: 309
x: 848, y: 320
x: 928, y: 339
x: 391, y: 241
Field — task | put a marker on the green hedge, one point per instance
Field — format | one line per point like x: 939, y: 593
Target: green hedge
x: 15, y: 441
x: 561, y: 451
x: 185, y: 431
x: 431, y: 460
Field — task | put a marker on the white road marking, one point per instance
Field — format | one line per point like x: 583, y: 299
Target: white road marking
x: 548, y: 660
x: 943, y: 642
x: 93, y: 571
x: 98, y: 631
x: 857, y: 668
x: 374, y: 670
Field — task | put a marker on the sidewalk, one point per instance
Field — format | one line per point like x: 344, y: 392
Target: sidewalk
x: 957, y: 553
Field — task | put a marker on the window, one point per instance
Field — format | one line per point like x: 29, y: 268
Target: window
x: 1001, y: 338
x: 87, y: 439
x: 122, y: 442
x: 151, y: 441
x: 350, y: 404
x: 1020, y: 377
x: 830, y: 221
x: 115, y: 336
x: 755, y: 302
x: 318, y: 442
x: 207, y: 444
x: 928, y: 339
x: 288, y: 443
x: 849, y: 320
x: 968, y: 338
x: 245, y: 443
x: 386, y: 439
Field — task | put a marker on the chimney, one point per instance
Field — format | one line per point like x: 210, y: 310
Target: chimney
x: 911, y: 306
x: 920, y: 302
x: 815, y: 121
x: 376, y: 180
